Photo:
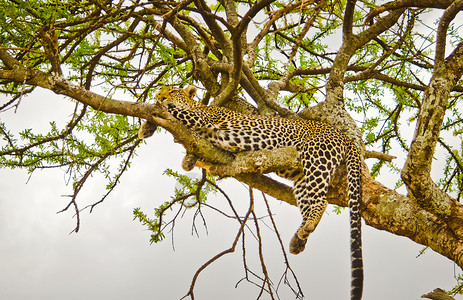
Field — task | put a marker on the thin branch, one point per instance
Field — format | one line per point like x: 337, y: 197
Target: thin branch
x: 274, y: 16
x: 444, y: 22
x: 298, y: 292
x: 452, y: 154
x: 406, y: 3
x: 261, y: 255
x: 308, y: 24
x: 348, y: 21
x: 131, y: 150
x: 219, y: 255
x: 251, y: 13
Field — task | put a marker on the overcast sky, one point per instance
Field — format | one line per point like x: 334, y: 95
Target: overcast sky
x: 111, y: 256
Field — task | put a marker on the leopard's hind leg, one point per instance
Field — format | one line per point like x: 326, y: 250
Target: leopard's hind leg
x: 312, y: 210
x: 310, y: 191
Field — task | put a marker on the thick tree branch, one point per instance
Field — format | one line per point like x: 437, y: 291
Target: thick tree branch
x: 7, y: 59
x: 405, y: 4
x: 417, y: 170
x: 348, y: 21
x: 263, y: 161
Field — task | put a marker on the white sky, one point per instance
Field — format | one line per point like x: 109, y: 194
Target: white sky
x: 111, y: 257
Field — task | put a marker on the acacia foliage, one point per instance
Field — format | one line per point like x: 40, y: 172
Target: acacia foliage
x: 138, y: 47
x: 383, y: 63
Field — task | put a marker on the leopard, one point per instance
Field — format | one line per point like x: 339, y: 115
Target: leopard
x: 321, y: 149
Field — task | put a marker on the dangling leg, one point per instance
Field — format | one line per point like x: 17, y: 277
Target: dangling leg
x: 311, y: 199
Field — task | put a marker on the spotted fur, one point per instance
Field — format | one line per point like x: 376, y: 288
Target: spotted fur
x: 321, y: 148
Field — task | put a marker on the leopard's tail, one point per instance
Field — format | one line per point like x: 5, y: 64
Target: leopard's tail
x: 355, y: 195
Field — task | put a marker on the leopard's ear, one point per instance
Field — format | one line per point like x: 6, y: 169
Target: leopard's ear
x: 191, y: 91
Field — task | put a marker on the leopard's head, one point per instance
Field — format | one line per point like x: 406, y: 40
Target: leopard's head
x: 175, y: 95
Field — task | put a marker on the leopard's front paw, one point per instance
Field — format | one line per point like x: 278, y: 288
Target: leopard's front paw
x: 189, y: 162
x: 146, y: 130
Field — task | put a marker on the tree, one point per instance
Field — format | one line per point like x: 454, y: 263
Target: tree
x: 391, y: 68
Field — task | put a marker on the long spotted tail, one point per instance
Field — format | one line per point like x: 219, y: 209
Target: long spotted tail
x: 355, y: 195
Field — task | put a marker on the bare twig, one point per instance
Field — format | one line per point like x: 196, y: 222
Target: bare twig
x: 266, y: 280
x: 219, y: 255
x: 298, y: 293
